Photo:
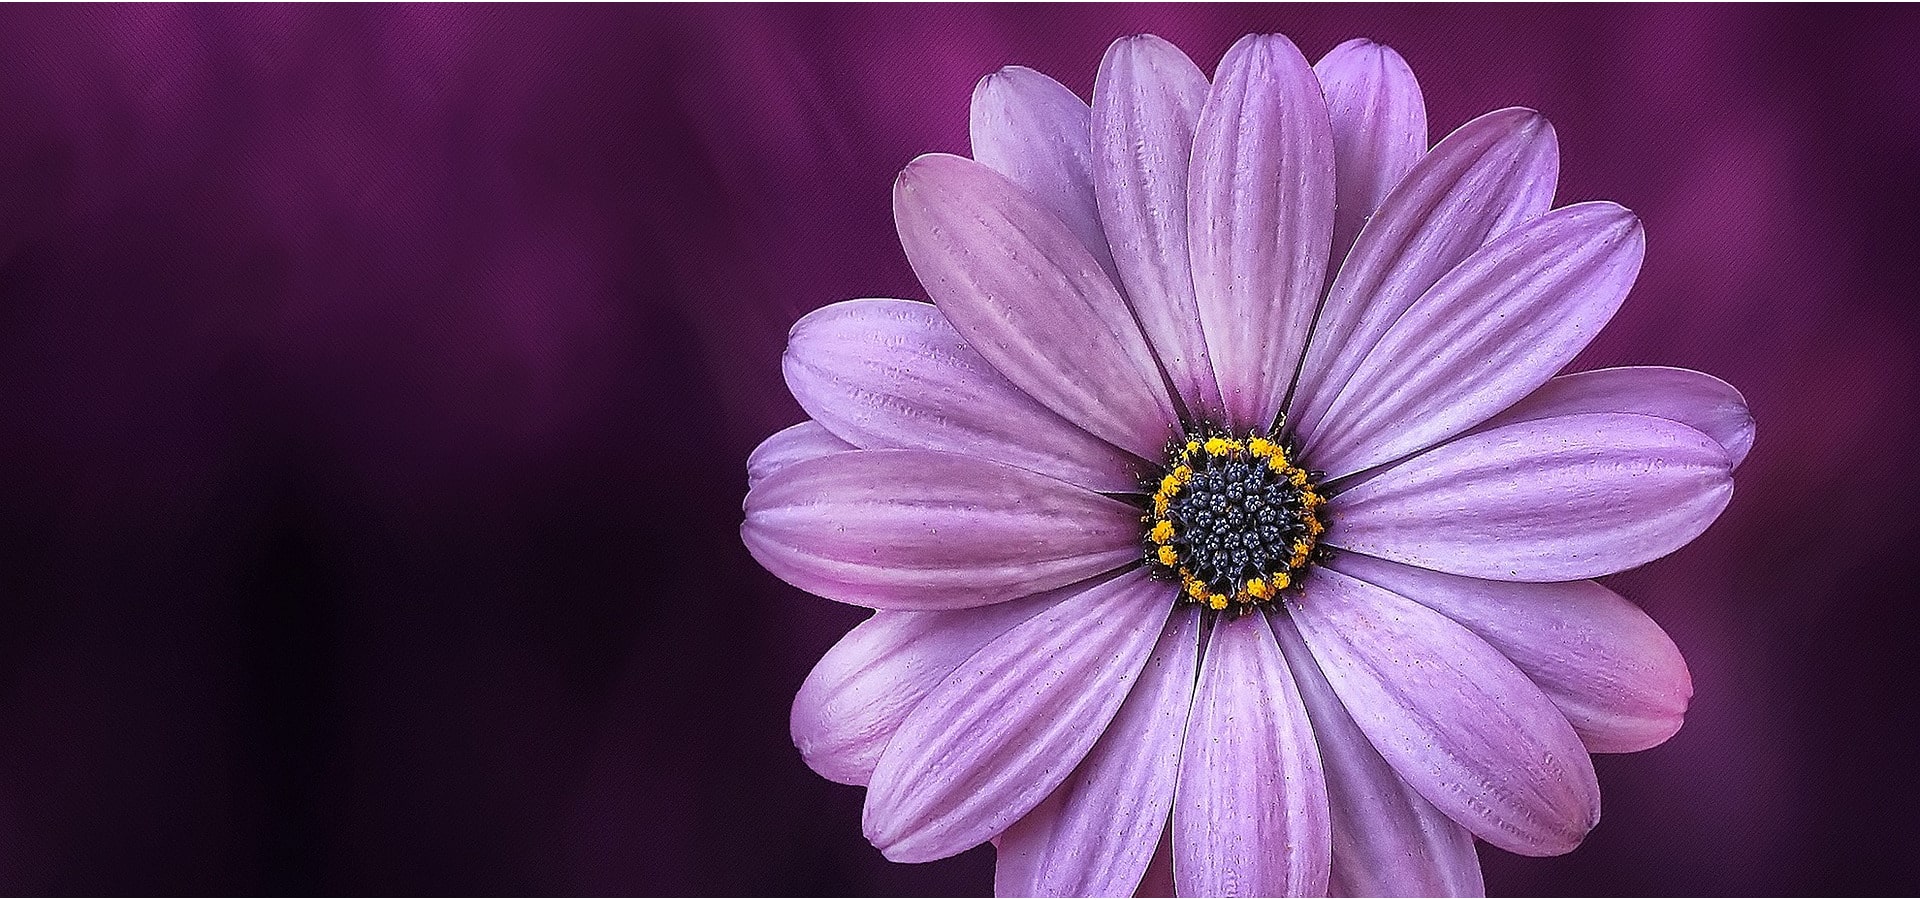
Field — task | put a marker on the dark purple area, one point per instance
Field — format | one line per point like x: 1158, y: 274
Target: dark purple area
x: 375, y: 386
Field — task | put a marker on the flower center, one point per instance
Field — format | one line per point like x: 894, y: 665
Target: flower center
x: 1234, y: 520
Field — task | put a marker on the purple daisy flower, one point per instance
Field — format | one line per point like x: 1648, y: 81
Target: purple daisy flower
x: 1227, y: 525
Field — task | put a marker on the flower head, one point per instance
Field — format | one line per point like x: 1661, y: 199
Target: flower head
x: 1225, y: 501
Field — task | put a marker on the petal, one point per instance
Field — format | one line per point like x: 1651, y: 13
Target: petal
x: 1005, y: 729
x: 1459, y: 723
x: 790, y: 445
x: 1695, y: 399
x: 1609, y: 668
x: 1146, y: 102
x: 1379, y: 131
x: 1260, y: 221
x: 1038, y: 133
x: 1484, y: 178
x: 1021, y: 289
x: 866, y: 685
x: 1547, y: 500
x: 1094, y: 836
x: 1250, y: 815
x: 890, y: 374
x: 920, y: 529
x: 1388, y: 841
x: 1488, y: 333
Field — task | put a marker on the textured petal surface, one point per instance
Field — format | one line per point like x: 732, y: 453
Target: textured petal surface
x: 1694, y: 399
x: 1008, y: 726
x: 1609, y: 668
x: 893, y: 374
x: 1488, y: 333
x: 1379, y: 131
x: 1388, y: 841
x: 1487, y: 176
x: 921, y: 529
x: 1016, y: 283
x: 1545, y: 500
x: 1250, y: 816
x: 859, y: 693
x: 1459, y: 723
x: 1260, y: 221
x: 1146, y: 103
x: 1094, y: 836
x: 790, y: 445
x: 1036, y: 132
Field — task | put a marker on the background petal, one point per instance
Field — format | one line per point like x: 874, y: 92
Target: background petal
x: 921, y: 529
x: 1379, y: 125
x: 1016, y: 283
x: 1250, y: 815
x: 1259, y: 221
x: 1544, y: 500
x: 893, y: 374
x: 1005, y: 729
x: 1695, y: 399
x: 1609, y: 668
x: 1459, y: 723
x: 1037, y: 132
x: 1488, y: 333
x: 790, y: 445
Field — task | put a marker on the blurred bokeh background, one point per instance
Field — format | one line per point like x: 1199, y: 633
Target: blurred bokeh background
x: 375, y: 386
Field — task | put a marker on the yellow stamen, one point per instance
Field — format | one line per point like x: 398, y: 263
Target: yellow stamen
x: 1257, y: 587
x: 1281, y: 580
x: 1168, y: 557
x: 1261, y: 447
x: 1162, y: 532
x: 1217, y: 601
x: 1218, y: 446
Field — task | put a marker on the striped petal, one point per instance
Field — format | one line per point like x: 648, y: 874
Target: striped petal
x: 1379, y: 131
x: 1038, y: 133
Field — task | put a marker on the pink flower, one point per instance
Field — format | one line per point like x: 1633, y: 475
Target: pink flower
x: 1225, y: 501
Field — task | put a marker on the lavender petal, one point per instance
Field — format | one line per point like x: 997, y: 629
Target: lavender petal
x: 1036, y: 132
x: 1379, y: 131
x: 1694, y: 399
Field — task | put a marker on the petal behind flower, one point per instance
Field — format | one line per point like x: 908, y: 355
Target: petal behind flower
x: 795, y: 443
x: 1022, y: 290
x: 1260, y: 221
x: 1036, y: 132
x: 1006, y: 728
x: 1379, y: 131
x: 1544, y: 500
x: 1250, y: 816
x: 1464, y: 727
x: 1694, y: 399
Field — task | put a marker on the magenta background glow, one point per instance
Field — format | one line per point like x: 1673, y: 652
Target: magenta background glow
x: 376, y: 385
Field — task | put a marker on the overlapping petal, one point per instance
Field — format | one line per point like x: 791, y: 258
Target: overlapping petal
x: 865, y: 686
x: 1489, y: 175
x: 1543, y: 500
x: 1606, y: 665
x: 1020, y: 287
x: 1260, y: 221
x: 1694, y: 399
x: 1146, y: 104
x: 789, y: 445
x: 1007, y: 727
x: 1379, y: 131
x: 1388, y: 841
x: 889, y: 374
x: 1452, y: 716
x: 1250, y: 815
x: 1036, y: 131
x: 1486, y: 334
x: 922, y: 529
x: 1095, y: 835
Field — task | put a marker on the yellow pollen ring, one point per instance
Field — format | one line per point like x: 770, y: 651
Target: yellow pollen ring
x: 1205, y: 452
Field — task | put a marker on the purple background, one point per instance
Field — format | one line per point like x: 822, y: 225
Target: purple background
x: 375, y: 385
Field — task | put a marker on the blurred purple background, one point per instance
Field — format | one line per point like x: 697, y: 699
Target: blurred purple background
x: 375, y: 385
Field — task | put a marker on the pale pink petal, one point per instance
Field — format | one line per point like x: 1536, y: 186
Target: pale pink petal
x: 1489, y: 332
x: 859, y: 693
x: 1017, y: 284
x: 1459, y: 723
x: 1694, y: 399
x: 790, y: 445
x: 1544, y: 500
x: 1007, y: 727
x: 1096, y: 833
x: 1260, y: 221
x: 1146, y: 102
x: 1609, y: 668
x: 1038, y: 133
x: 893, y: 374
x: 1250, y: 815
x: 1388, y: 841
x: 922, y: 529
x: 1379, y: 131
x: 1484, y: 178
